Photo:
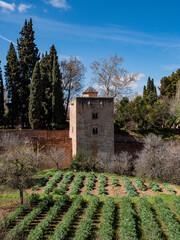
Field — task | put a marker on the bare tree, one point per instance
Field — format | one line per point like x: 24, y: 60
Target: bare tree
x: 112, y: 79
x: 72, y: 75
x: 57, y: 156
x: 158, y: 159
x: 122, y: 164
x: 18, y: 163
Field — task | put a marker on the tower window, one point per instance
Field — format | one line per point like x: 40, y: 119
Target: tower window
x: 95, y: 130
x: 95, y: 115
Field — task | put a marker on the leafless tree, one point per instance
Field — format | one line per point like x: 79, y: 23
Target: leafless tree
x: 158, y: 160
x: 112, y: 79
x: 57, y: 156
x: 72, y: 75
x: 122, y: 164
x: 18, y: 163
x: 104, y: 162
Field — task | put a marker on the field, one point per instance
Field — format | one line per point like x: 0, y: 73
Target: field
x: 77, y: 205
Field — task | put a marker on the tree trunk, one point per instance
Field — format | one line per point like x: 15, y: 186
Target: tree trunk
x: 21, y: 195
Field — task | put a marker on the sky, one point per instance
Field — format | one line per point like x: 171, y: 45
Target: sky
x: 145, y: 33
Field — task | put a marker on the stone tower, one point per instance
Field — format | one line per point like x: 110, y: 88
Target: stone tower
x: 91, y: 123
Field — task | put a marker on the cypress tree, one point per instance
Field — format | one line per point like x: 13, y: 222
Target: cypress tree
x: 46, y: 91
x: 144, y: 93
x: 150, y: 93
x: 28, y: 56
x: 35, y: 99
x: 58, y: 110
x: 1, y: 97
x: 12, y: 79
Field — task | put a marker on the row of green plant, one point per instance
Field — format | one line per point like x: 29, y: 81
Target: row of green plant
x: 129, y: 187
x: 169, y: 219
x: 42, y: 181
x: 169, y: 188
x: 155, y: 187
x: 19, y: 229
x: 114, y: 181
x: 9, y: 219
x: 140, y: 184
x: 53, y: 182
x: 77, y: 184
x: 150, y: 227
x: 108, y: 216
x: 63, y: 228
x: 177, y: 205
x: 128, y: 221
x: 38, y: 232
x: 102, y: 181
x: 90, y: 183
x: 84, y: 231
x: 63, y: 186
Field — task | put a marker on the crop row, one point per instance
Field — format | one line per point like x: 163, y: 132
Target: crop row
x: 169, y: 188
x: 77, y: 184
x: 155, y: 187
x: 84, y: 230
x: 140, y: 185
x: 53, y: 182
x: 23, y: 225
x: 114, y: 181
x: 90, y: 183
x: 63, y: 228
x: 42, y: 181
x: 63, y: 186
x: 177, y: 205
x: 38, y: 232
x: 169, y: 219
x: 129, y: 187
x: 128, y: 221
x: 108, y: 214
x: 102, y: 181
x: 149, y: 224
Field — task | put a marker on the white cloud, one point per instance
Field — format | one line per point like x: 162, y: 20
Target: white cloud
x: 135, y: 85
x: 171, y: 67
x: 7, y: 6
x: 60, y: 4
x: 23, y: 7
x: 7, y: 40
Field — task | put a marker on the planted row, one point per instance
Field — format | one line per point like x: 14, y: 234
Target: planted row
x: 114, y: 181
x: 42, y: 181
x: 23, y: 225
x: 84, y: 230
x: 169, y: 188
x: 177, y: 205
x: 169, y: 219
x: 140, y: 185
x: 155, y: 187
x: 108, y: 215
x: 129, y: 187
x: 62, y: 229
x: 63, y: 187
x: 150, y: 226
x: 53, y: 182
x: 90, y: 182
x: 77, y: 184
x: 128, y: 221
x: 102, y: 180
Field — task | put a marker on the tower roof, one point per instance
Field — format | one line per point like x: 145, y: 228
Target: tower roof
x: 90, y: 90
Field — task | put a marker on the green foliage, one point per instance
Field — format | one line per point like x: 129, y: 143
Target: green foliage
x: 169, y: 219
x: 12, y: 79
x: 53, y: 182
x: 177, y: 205
x: 128, y: 221
x: 102, y: 181
x: 129, y: 188
x: 82, y: 161
x: 1, y: 98
x: 108, y: 215
x: 90, y: 181
x: 155, y: 187
x: 114, y: 181
x: 139, y: 183
x: 149, y: 224
x: 77, y: 184
x: 64, y: 183
x: 169, y: 188
x: 35, y: 99
x: 42, y: 181
x: 34, y: 197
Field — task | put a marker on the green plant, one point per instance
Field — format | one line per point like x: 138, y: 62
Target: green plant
x: 155, y: 187
x: 139, y: 183
x: 169, y: 188
x: 102, y: 180
x: 129, y: 187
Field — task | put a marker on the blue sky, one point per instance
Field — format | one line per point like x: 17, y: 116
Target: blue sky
x: 145, y: 33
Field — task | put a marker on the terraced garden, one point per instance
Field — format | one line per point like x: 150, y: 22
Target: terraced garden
x: 79, y: 206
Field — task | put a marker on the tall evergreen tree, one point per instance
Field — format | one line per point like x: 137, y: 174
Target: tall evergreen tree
x: 1, y: 97
x: 46, y: 91
x: 28, y: 56
x: 144, y: 93
x: 12, y: 79
x: 150, y: 93
x: 35, y: 99
x: 58, y: 110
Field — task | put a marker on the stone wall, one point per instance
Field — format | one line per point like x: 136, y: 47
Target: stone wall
x: 45, y: 139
